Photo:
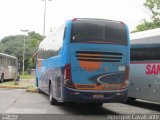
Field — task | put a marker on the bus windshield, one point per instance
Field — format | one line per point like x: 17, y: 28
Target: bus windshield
x: 101, y: 31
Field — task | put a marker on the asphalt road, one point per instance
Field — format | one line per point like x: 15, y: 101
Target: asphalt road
x: 18, y: 101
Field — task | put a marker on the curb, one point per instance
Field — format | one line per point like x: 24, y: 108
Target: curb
x: 12, y: 86
x: 33, y: 90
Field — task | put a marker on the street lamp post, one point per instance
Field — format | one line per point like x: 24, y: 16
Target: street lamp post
x: 24, y: 45
x: 44, y: 19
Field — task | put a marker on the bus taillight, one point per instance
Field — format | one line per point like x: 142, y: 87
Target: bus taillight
x: 67, y: 76
x: 126, y: 82
x: 67, y: 72
x: 127, y: 75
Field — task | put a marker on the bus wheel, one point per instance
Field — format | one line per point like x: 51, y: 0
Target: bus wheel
x: 2, y: 78
x: 51, y: 99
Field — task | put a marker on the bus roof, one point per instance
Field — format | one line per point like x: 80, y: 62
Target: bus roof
x: 97, y: 19
x: 146, y: 37
x: 3, y: 54
x: 144, y: 34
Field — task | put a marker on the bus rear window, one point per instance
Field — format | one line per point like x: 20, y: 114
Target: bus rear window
x: 98, y: 31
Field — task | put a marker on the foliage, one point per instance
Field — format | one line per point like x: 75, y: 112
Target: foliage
x: 13, y: 45
x: 153, y: 7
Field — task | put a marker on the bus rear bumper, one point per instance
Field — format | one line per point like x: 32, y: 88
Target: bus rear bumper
x: 90, y: 96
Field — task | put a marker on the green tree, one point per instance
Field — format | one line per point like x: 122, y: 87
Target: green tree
x: 153, y: 7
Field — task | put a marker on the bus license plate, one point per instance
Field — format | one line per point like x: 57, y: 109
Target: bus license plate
x: 98, y: 96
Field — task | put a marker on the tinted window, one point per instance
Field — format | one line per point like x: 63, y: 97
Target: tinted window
x: 52, y: 44
x: 99, y: 31
x: 139, y: 54
x: 145, y: 52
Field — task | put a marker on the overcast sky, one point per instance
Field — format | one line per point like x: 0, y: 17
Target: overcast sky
x: 16, y: 15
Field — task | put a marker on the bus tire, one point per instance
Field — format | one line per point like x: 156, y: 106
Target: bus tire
x: 2, y: 78
x: 51, y: 99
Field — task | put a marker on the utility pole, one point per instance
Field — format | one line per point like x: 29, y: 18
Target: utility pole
x: 24, y: 47
x: 44, y: 19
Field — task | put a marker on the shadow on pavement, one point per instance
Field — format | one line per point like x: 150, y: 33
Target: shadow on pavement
x: 83, y: 109
x: 145, y: 104
x: 86, y: 109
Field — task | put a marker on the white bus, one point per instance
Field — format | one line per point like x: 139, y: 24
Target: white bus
x: 8, y: 67
x: 145, y: 66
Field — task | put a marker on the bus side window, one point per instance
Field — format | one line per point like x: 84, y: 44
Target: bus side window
x: 52, y: 44
x: 153, y: 53
x: 145, y: 53
x: 139, y: 54
x: 4, y: 61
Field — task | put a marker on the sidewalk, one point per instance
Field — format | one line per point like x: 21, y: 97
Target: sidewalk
x: 28, y: 84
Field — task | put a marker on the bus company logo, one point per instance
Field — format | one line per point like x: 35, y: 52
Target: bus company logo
x: 152, y: 69
x: 88, y: 65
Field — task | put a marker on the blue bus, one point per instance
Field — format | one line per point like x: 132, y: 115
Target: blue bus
x: 85, y: 61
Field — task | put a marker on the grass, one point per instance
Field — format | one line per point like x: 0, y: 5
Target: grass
x: 7, y: 83
x: 25, y: 81
x: 27, y: 76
